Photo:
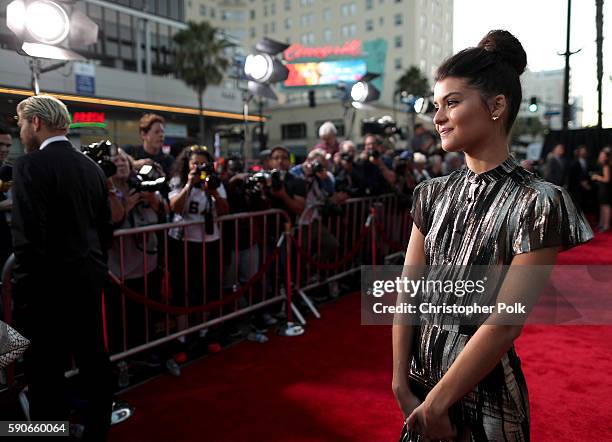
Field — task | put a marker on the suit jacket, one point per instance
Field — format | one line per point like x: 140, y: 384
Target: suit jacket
x: 576, y: 175
x: 556, y: 170
x: 61, y: 220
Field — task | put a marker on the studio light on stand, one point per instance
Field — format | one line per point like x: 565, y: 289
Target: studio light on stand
x: 357, y: 96
x: 49, y: 30
x: 262, y: 69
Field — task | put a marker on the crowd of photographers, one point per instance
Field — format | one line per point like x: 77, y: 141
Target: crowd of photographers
x: 147, y: 185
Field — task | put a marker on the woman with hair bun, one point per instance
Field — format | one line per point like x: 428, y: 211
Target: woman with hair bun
x: 455, y: 379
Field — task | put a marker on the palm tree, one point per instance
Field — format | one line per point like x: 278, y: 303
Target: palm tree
x: 412, y: 82
x: 200, y: 60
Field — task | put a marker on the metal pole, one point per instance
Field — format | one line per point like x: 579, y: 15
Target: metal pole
x: 35, y: 68
x: 599, y: 25
x: 148, y: 46
x: 262, y: 136
x: 565, y: 115
x: 138, y: 45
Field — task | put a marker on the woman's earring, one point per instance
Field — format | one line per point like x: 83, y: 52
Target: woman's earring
x: 494, y: 117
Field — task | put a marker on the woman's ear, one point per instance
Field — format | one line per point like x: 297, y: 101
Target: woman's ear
x: 497, y: 105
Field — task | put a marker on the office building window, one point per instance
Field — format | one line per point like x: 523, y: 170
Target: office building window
x: 288, y: 23
x: 369, y: 25
x: 287, y: 5
x: 398, y: 63
x: 398, y: 19
x: 327, y: 35
x: 369, y: 4
x: 293, y: 131
x: 203, y: 10
x: 327, y: 14
x: 398, y: 41
x: 252, y: 14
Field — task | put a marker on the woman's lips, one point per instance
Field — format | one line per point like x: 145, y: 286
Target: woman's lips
x: 444, y: 132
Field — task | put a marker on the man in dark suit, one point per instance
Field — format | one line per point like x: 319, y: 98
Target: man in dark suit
x: 61, y: 228
x: 579, y: 180
x: 555, y: 170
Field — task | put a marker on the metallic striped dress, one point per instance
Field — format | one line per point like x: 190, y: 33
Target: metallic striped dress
x: 485, y: 219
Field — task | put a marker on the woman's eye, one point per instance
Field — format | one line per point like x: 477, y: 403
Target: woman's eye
x: 451, y: 103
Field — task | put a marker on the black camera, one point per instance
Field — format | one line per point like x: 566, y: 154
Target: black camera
x: 150, y: 178
x: 346, y: 157
x: 316, y: 166
x: 375, y: 154
x: 278, y: 179
x: 209, y: 175
x: 101, y: 153
x: 257, y: 182
x: 273, y: 179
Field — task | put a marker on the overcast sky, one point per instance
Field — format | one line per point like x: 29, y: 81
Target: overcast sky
x: 540, y: 25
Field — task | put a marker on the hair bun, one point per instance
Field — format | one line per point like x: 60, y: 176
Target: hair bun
x: 507, y: 47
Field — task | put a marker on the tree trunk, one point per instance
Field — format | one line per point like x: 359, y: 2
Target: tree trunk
x: 201, y: 117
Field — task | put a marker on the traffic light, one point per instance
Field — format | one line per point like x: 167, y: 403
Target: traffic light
x: 533, y: 104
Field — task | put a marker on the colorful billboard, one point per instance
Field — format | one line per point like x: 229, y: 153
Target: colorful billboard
x: 326, y: 66
x: 324, y: 73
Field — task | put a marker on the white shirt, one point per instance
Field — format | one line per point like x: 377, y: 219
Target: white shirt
x: 195, y: 208
x: 53, y: 140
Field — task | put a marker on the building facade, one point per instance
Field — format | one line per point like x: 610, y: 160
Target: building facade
x: 390, y: 35
x: 547, y: 88
x: 129, y: 72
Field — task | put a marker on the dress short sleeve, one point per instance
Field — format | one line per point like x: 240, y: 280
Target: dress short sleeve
x: 549, y: 218
x: 420, y: 211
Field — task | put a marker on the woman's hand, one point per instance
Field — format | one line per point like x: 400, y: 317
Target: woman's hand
x: 406, y: 399
x: 432, y: 424
x: 133, y: 198
x: 194, y: 176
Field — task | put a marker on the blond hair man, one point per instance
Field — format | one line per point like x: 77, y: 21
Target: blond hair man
x: 61, y: 228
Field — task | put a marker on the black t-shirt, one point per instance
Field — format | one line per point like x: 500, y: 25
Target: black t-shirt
x: 139, y: 153
x: 371, y: 179
x: 294, y: 186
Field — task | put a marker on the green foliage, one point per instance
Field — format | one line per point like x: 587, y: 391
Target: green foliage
x: 527, y: 126
x: 200, y: 58
x: 413, y: 82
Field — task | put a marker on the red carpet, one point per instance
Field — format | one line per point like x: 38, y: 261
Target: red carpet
x: 333, y: 383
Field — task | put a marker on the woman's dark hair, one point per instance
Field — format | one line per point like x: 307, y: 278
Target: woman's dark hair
x: 493, y: 67
x: 180, y: 168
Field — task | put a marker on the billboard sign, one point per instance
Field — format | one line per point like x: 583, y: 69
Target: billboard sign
x: 325, y: 73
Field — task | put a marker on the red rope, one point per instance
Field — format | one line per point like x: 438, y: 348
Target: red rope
x: 332, y: 265
x: 174, y: 310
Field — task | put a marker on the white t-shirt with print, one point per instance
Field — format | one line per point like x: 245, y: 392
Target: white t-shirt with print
x: 195, y: 208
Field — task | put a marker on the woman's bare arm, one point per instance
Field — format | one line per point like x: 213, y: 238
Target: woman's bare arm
x: 403, y: 334
x: 490, y: 342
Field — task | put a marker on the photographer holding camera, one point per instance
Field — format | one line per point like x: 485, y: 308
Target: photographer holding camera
x: 290, y: 196
x: 151, y: 129
x: 321, y: 200
x: 346, y: 172
x: 197, y: 194
x: 376, y: 174
x: 135, y: 205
